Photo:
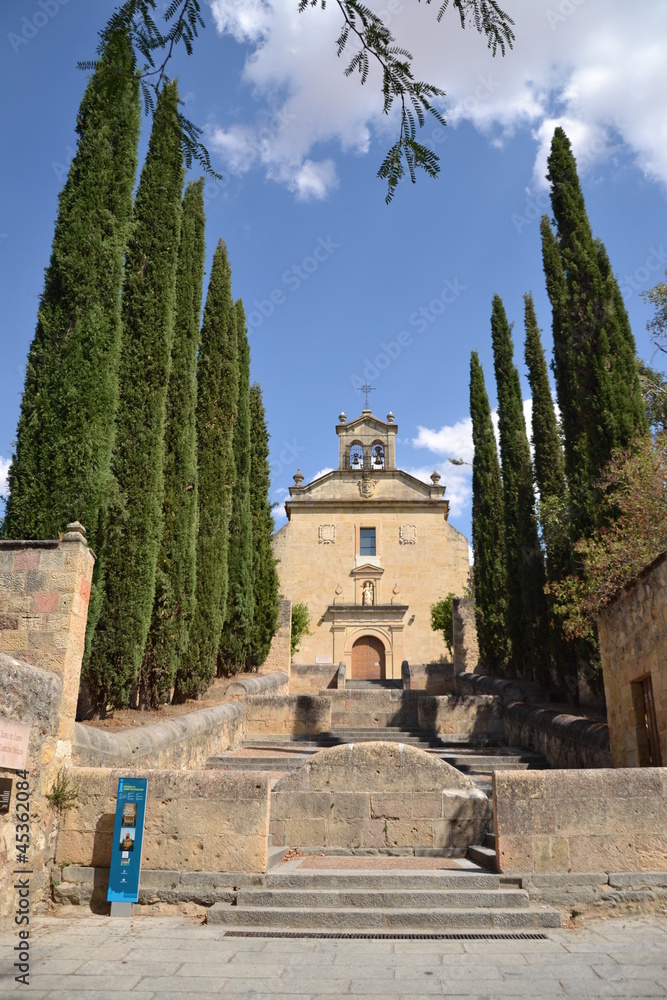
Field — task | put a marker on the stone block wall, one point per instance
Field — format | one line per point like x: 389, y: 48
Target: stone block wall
x: 195, y: 820
x: 377, y: 796
x: 311, y: 678
x: 433, y: 678
x: 280, y: 653
x: 368, y: 708
x: 469, y: 715
x: 633, y: 646
x: 185, y: 741
x: 599, y: 820
x: 294, y: 714
x: 44, y: 593
x: 250, y: 684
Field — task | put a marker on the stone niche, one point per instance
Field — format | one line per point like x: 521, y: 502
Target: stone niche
x: 377, y: 796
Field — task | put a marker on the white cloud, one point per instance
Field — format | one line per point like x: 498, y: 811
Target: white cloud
x: 602, y: 75
x: 322, y: 472
x: 455, y: 479
x: 4, y: 469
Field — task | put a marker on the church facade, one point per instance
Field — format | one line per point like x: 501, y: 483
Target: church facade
x: 368, y: 549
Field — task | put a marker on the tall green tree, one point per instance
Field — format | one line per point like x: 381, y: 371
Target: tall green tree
x: 133, y: 531
x: 594, y: 349
x: 236, y: 640
x: 488, y: 529
x: 217, y: 401
x: 527, y: 621
x: 61, y: 469
x: 173, y: 604
x: 549, y: 466
x: 265, y: 584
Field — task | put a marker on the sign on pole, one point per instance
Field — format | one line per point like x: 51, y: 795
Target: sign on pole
x: 128, y: 834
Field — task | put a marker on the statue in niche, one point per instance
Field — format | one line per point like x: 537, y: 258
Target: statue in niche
x: 368, y: 594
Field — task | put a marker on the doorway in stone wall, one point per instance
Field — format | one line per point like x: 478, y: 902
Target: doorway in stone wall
x: 368, y: 660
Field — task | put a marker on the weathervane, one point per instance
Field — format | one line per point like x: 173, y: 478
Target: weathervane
x: 366, y: 388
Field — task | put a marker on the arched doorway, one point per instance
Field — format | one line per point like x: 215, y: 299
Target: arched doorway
x: 368, y: 662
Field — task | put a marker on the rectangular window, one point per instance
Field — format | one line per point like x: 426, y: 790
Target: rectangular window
x: 367, y: 541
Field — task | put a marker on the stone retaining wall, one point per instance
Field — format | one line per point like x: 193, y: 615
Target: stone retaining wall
x: 195, y: 820
x: 293, y: 714
x: 433, y: 678
x: 581, y: 821
x: 471, y: 715
x: 369, y: 709
x: 377, y: 796
x: 565, y: 740
x: 185, y: 741
x: 265, y: 684
x: 311, y: 678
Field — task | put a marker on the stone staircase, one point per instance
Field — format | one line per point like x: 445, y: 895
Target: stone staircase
x: 381, y: 901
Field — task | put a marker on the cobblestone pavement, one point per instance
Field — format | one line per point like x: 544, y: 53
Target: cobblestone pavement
x: 86, y: 957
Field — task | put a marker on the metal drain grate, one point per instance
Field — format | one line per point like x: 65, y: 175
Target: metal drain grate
x: 398, y: 936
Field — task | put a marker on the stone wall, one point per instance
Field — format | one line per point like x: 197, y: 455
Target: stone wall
x: 44, y: 592
x: 466, y: 646
x: 367, y: 708
x: 185, y: 741
x: 311, y: 678
x: 581, y: 821
x: 477, y: 716
x: 434, y: 678
x: 565, y: 740
x: 280, y: 654
x: 250, y: 684
x: 633, y: 646
x: 379, y: 796
x: 195, y: 820
x: 294, y: 714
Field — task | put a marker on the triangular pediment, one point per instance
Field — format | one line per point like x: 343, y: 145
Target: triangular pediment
x: 365, y: 420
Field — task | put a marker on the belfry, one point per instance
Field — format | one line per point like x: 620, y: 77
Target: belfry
x: 369, y: 549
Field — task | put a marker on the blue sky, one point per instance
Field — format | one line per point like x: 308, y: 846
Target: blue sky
x: 337, y: 285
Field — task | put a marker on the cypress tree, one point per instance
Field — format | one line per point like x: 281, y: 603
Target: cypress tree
x: 549, y: 468
x: 488, y: 530
x: 176, y: 568
x: 527, y: 623
x: 134, y: 527
x: 61, y: 469
x: 265, y: 583
x: 593, y: 330
x: 235, y: 644
x: 217, y: 399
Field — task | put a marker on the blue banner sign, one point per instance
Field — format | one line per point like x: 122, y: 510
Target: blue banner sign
x: 128, y: 835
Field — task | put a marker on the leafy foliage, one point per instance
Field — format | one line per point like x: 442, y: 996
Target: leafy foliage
x: 61, y: 469
x: 133, y: 529
x: 235, y: 642
x: 634, y: 494
x: 442, y: 619
x: 527, y: 622
x: 265, y: 583
x: 300, y: 623
x: 374, y: 43
x: 657, y: 326
x: 488, y: 529
x: 654, y: 390
x: 217, y: 400
x: 173, y: 605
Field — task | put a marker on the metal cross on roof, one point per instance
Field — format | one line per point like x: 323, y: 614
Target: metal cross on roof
x: 366, y: 388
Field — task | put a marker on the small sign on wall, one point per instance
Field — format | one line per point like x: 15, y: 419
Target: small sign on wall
x: 128, y: 834
x: 14, y: 737
x: 5, y: 794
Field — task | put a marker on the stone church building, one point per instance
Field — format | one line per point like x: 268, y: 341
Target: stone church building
x: 368, y: 548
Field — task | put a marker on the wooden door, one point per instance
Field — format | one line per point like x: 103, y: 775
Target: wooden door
x: 368, y: 662
x: 651, y: 722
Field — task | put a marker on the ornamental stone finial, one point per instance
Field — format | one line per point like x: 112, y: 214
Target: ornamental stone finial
x: 298, y: 477
x: 75, y: 532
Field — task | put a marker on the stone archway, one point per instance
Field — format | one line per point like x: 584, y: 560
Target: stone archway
x: 368, y: 659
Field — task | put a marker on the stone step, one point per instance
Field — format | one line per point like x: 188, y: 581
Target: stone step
x: 484, y: 855
x: 397, y: 880
x: 418, y: 899
x: 255, y: 763
x: 252, y: 917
